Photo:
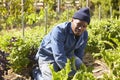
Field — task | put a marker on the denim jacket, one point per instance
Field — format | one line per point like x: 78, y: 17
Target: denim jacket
x: 61, y: 44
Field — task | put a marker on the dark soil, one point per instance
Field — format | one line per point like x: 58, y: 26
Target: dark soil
x: 98, y: 65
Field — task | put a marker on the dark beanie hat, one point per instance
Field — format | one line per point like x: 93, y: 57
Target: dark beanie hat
x: 83, y: 14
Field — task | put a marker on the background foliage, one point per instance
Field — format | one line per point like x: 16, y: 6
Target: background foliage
x: 11, y: 11
x: 103, y: 41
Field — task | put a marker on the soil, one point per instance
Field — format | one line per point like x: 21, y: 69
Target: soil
x: 99, y: 68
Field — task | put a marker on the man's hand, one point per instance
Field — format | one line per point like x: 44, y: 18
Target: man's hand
x: 73, y: 68
x: 71, y: 74
x: 56, y: 67
x: 72, y: 63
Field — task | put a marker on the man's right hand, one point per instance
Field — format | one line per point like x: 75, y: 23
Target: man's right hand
x: 72, y: 63
x: 56, y: 67
x: 71, y: 74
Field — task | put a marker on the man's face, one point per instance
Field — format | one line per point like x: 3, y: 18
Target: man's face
x: 78, y: 27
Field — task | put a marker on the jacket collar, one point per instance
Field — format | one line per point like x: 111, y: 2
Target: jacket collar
x: 70, y: 31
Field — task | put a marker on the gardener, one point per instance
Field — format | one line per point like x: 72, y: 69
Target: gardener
x: 66, y: 41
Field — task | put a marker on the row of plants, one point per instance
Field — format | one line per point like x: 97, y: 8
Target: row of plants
x: 103, y: 41
x: 21, y: 50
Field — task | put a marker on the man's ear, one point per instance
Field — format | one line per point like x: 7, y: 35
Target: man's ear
x: 72, y: 20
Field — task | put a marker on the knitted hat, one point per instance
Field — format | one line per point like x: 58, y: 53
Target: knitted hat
x: 83, y: 14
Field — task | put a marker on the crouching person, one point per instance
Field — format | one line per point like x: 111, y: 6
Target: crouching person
x: 66, y: 41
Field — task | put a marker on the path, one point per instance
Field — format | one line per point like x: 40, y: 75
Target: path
x: 99, y: 67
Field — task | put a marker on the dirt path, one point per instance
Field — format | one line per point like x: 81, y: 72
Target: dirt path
x: 99, y: 67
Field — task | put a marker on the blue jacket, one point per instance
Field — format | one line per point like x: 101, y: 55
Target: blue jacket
x: 61, y: 44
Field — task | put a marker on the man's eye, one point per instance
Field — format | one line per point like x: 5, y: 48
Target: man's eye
x: 80, y: 25
x: 84, y: 26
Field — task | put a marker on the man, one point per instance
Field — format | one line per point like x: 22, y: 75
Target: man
x: 66, y: 41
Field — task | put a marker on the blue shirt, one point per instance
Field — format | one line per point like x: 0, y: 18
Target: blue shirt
x: 61, y: 44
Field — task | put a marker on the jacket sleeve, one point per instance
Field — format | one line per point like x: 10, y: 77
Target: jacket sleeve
x: 80, y: 51
x: 57, y: 44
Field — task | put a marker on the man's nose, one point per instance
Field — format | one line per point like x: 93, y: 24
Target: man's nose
x: 80, y: 27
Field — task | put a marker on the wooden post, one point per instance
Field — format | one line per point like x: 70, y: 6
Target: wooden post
x: 68, y: 13
x: 22, y: 3
x: 35, y: 5
x: 99, y: 12
x: 119, y: 12
x: 81, y: 3
x: 46, y: 20
x: 58, y: 8
x: 87, y: 3
x: 110, y: 11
